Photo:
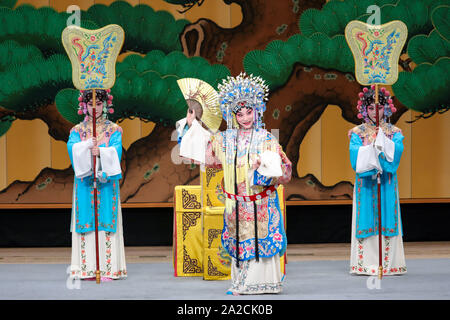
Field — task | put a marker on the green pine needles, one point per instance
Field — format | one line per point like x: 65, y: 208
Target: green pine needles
x: 35, y: 71
x: 321, y: 43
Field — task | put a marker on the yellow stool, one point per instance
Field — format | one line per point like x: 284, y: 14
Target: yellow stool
x: 187, y: 233
x: 198, y: 224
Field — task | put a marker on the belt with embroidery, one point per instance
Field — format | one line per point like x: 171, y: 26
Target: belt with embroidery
x: 265, y: 193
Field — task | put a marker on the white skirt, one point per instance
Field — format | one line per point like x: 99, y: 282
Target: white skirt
x: 256, y: 277
x: 364, y: 256
x: 111, y: 253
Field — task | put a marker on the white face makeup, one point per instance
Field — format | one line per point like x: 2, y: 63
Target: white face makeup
x: 245, y: 118
x: 98, y: 108
x: 371, y: 112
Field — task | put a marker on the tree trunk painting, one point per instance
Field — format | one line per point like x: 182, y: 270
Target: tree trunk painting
x: 281, y: 41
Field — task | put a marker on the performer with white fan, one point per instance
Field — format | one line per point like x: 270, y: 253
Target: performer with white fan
x: 203, y: 118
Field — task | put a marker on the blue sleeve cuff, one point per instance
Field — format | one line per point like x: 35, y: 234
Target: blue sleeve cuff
x: 367, y: 173
x: 180, y: 136
x: 260, y: 180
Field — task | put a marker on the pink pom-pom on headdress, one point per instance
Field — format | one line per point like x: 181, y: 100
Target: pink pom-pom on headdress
x: 110, y: 99
x: 360, y: 116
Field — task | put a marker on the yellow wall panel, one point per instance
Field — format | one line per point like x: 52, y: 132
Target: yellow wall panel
x: 59, y: 155
x: 431, y: 157
x: 131, y: 131
x: 310, y: 160
x: 147, y: 128
x: 236, y: 15
x: 404, y: 170
x: 3, y: 168
x: 28, y: 149
x: 336, y: 165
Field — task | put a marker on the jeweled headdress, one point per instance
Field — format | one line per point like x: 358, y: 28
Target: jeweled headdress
x: 243, y: 91
x: 367, y: 97
x: 102, y: 95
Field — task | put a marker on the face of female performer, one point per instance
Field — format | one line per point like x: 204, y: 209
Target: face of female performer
x: 244, y: 118
x: 98, y: 108
x: 371, y: 112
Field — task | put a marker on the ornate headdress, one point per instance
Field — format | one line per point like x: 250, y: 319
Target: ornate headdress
x: 101, y: 95
x: 367, y: 97
x: 234, y: 94
x: 243, y: 91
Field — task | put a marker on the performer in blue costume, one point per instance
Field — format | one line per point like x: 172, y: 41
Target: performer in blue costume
x: 107, y: 147
x: 373, y: 151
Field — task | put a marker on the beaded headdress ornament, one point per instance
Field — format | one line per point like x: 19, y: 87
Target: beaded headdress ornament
x: 243, y: 91
x: 104, y: 95
x: 234, y: 94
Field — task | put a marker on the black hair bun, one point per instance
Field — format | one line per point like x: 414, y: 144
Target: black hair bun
x: 101, y: 95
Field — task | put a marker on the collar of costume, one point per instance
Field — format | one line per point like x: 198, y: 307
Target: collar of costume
x: 368, y: 132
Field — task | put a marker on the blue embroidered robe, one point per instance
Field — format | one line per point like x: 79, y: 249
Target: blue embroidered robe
x: 271, y: 235
x: 365, y: 192
x: 108, y: 192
